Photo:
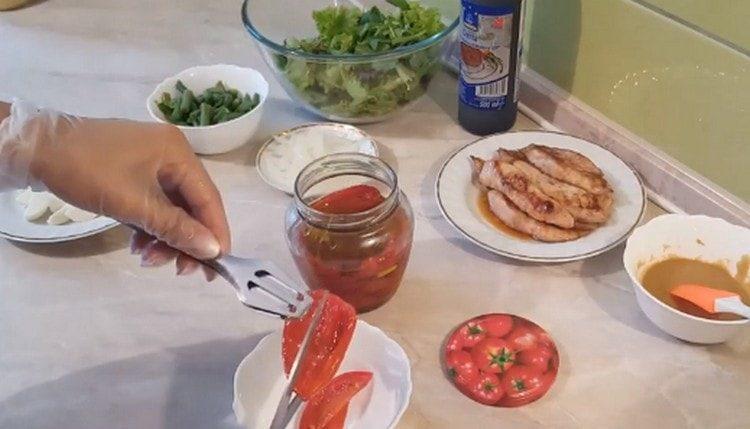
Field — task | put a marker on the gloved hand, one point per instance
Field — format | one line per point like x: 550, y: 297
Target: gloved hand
x: 142, y: 174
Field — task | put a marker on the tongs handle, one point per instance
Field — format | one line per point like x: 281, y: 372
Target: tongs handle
x: 224, y: 266
x: 289, y: 405
x: 263, y: 286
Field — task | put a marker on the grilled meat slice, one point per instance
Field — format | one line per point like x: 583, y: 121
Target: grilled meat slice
x: 584, y: 206
x: 518, y: 187
x: 512, y: 216
x: 576, y: 160
x: 545, y: 160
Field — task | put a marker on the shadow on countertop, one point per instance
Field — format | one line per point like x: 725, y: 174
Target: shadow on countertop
x: 183, y: 387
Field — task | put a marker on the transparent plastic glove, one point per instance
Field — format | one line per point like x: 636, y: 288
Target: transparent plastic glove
x: 142, y: 174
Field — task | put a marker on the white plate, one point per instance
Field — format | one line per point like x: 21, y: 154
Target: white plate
x: 259, y: 381
x: 457, y: 198
x: 14, y: 227
x: 270, y: 164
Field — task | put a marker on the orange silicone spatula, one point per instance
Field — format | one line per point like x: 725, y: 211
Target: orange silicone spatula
x: 712, y: 300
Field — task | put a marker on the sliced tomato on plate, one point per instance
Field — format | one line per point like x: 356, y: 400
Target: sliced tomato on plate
x: 327, y: 408
x: 354, y: 199
x: 327, y: 345
x: 493, y: 355
x: 337, y: 422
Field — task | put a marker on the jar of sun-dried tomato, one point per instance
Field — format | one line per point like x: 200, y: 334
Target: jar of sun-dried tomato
x: 350, y: 228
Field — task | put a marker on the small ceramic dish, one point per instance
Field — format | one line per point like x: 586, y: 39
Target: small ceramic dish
x: 226, y: 136
x: 694, y: 237
x: 259, y: 381
x: 284, y: 155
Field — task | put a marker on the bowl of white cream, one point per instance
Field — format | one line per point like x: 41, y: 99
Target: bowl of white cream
x: 285, y: 154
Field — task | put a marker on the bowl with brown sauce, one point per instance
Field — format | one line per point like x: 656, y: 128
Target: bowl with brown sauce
x: 676, y: 249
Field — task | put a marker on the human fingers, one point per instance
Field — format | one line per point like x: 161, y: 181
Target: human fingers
x: 185, y: 265
x: 138, y: 241
x: 174, y: 226
x: 201, y: 198
x: 157, y: 253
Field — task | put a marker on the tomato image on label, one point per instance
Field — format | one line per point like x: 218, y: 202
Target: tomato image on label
x: 497, y: 325
x: 471, y: 56
x: 471, y: 333
x: 538, y: 357
x: 493, y: 355
x: 501, y: 360
x: 462, y: 369
x: 487, y: 389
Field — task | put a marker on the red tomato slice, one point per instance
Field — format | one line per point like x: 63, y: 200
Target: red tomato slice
x: 328, y: 343
x: 327, y: 404
x: 497, y: 325
x: 538, y: 357
x: 493, y: 355
x: 462, y: 369
x: 487, y: 389
x: 383, y: 264
x: 353, y: 199
x: 337, y: 422
x: 524, y: 384
x: 471, y: 333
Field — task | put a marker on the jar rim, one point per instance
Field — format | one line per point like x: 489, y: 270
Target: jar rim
x: 348, y: 220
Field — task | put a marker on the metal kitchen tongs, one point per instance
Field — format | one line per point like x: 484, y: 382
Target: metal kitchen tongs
x: 262, y: 286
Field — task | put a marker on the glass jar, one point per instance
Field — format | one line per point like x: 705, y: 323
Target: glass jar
x: 358, y: 255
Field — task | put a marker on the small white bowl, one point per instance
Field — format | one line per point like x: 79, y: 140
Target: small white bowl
x: 226, y: 136
x: 259, y: 381
x: 694, y: 237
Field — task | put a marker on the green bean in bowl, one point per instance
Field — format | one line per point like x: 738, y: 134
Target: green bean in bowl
x: 215, y: 105
x: 232, y: 98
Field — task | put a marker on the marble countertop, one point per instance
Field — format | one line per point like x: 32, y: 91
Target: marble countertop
x: 88, y: 339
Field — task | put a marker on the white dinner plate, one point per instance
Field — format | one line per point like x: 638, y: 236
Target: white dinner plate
x: 259, y: 381
x: 14, y: 227
x: 457, y: 198
x: 279, y: 163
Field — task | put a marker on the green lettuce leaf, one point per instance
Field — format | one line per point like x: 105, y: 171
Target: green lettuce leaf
x: 364, y: 89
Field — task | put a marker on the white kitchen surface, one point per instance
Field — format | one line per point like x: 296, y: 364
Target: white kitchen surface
x: 88, y: 339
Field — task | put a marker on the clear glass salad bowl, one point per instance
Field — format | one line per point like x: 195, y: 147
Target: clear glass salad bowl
x: 353, y: 88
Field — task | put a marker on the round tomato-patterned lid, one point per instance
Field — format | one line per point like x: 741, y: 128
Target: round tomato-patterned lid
x: 501, y: 360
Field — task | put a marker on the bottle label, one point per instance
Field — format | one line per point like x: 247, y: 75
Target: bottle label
x: 486, y: 44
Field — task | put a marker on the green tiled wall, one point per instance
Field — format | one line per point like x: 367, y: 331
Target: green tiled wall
x: 681, y: 91
x: 728, y: 19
